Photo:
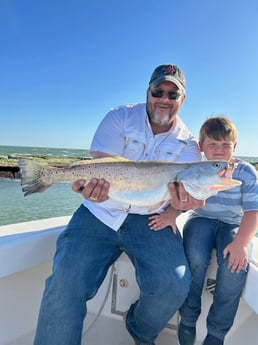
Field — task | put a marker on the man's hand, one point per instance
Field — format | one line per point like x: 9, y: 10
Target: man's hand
x: 181, y: 200
x: 96, y: 190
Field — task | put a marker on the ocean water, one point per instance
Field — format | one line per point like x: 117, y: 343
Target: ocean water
x: 58, y: 200
x: 14, y: 151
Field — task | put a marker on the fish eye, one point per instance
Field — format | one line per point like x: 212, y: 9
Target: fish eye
x: 216, y: 164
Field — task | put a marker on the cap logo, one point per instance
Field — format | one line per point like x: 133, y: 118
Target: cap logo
x: 170, y: 70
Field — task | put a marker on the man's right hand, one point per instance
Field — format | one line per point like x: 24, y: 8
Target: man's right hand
x: 96, y: 190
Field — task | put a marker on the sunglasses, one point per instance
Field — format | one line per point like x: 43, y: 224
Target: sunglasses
x: 169, y: 94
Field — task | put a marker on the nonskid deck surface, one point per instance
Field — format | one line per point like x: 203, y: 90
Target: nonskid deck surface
x: 108, y: 331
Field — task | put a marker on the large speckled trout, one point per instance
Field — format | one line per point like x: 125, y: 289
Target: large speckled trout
x: 142, y: 183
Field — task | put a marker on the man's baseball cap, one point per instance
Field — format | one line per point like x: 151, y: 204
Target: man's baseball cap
x: 170, y: 73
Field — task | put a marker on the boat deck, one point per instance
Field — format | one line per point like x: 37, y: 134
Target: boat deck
x: 108, y: 331
x: 22, y: 279
x: 114, y: 332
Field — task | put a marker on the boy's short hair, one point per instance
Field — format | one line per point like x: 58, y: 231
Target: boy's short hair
x: 218, y: 128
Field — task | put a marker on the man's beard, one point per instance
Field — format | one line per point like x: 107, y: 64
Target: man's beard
x: 157, y: 120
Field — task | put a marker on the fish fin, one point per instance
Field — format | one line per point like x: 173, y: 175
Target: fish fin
x: 31, y: 176
x: 113, y: 159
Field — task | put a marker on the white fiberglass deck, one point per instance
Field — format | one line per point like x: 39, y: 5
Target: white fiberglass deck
x: 26, y: 252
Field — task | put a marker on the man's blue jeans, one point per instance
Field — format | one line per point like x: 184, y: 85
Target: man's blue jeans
x: 200, y: 236
x: 85, y: 251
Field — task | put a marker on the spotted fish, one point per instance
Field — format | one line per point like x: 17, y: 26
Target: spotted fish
x: 141, y: 183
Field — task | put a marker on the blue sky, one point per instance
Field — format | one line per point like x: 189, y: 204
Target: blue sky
x: 64, y: 64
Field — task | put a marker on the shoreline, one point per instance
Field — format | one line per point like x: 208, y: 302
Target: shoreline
x: 9, y: 167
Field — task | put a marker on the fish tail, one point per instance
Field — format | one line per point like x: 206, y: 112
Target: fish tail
x: 32, y: 179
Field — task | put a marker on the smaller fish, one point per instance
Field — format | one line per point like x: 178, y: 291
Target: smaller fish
x: 142, y: 183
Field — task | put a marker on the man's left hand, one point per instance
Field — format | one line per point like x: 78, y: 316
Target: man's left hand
x: 181, y: 200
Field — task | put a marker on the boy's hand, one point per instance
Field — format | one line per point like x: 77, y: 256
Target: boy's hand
x: 238, y: 256
x: 161, y: 221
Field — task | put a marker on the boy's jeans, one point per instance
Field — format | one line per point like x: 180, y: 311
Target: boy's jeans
x: 85, y: 251
x: 201, y: 235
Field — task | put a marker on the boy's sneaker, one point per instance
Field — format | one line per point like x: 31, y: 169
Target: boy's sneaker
x: 211, y: 340
x: 186, y: 335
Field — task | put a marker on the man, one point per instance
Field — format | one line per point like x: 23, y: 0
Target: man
x: 101, y: 229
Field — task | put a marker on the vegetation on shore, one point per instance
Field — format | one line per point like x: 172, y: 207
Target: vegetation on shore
x: 9, y: 167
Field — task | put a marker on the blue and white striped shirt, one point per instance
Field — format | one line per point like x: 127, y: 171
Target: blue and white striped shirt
x: 230, y: 205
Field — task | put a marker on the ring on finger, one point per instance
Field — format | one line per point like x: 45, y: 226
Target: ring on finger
x: 184, y: 200
x: 92, y: 198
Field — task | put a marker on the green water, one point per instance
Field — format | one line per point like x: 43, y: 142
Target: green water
x: 58, y: 200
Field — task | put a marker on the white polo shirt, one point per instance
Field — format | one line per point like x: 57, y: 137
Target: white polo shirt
x: 125, y: 131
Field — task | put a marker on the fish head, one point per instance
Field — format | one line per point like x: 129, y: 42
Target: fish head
x: 207, y: 178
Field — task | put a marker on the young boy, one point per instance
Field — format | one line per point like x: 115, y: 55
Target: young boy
x: 227, y: 222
